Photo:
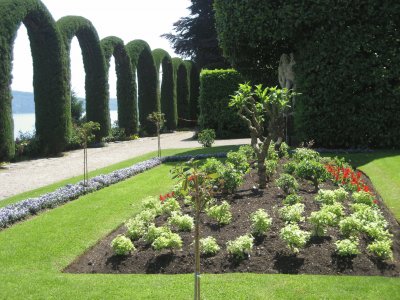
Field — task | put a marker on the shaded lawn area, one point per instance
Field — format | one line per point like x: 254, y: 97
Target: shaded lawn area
x: 33, y: 253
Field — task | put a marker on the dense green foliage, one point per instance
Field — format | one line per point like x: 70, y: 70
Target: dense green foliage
x: 50, y: 89
x: 344, y: 67
x: 143, y: 64
x: 194, y: 89
x: 182, y: 91
x: 216, y: 87
x: 195, y: 36
x: 96, y: 84
x: 165, y: 91
x: 127, y: 105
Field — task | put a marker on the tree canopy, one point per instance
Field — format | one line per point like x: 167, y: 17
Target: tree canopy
x: 195, y: 36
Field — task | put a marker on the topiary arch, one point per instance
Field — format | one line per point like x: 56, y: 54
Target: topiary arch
x: 194, y: 88
x: 50, y: 88
x: 142, y: 61
x: 181, y: 91
x: 95, y: 68
x: 126, y: 89
x: 166, y: 95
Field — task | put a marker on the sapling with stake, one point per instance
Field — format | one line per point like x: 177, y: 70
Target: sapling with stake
x: 158, y: 119
x: 199, y: 186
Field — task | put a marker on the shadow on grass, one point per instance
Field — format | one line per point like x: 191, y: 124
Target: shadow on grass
x: 360, y: 159
x: 210, y: 150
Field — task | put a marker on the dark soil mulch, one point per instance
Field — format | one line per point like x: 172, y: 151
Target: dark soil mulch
x: 270, y: 254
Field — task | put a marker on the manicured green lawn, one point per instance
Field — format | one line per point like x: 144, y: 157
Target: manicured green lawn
x: 33, y: 253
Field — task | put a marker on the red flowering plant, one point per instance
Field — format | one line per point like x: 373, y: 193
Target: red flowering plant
x: 166, y: 197
x: 343, y: 175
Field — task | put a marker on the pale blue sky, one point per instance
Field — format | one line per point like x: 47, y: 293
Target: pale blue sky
x: 126, y: 19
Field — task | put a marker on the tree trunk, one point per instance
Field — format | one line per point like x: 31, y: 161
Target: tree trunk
x: 262, y: 174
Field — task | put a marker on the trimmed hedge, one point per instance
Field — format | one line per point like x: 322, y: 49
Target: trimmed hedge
x: 50, y: 89
x: 127, y: 104
x: 182, y: 91
x: 166, y: 93
x: 347, y: 57
x: 96, y: 83
x: 143, y: 63
x: 194, y: 89
x: 216, y: 87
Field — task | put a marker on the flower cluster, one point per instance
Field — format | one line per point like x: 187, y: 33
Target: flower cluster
x: 166, y: 196
x: 348, y: 178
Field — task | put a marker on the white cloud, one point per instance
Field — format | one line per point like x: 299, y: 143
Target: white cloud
x: 126, y: 19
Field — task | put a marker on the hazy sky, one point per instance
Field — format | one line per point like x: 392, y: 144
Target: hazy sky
x: 126, y: 19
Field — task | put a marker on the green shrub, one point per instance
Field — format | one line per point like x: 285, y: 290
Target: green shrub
x: 292, y: 213
x: 216, y: 88
x: 311, y: 170
x: 284, y: 150
x: 153, y: 232
x: 270, y: 168
x: 154, y: 204
x: 248, y: 151
x: 209, y: 246
x: 321, y: 220
x: 347, y: 247
x: 168, y: 240
x: 170, y: 205
x: 146, y: 215
x: 292, y: 199
x: 287, y: 183
x: 230, y: 177
x: 121, y: 245
x: 136, y: 228
x: 363, y: 197
x: 341, y: 194
x: 382, y: 249
x: 212, y: 165
x: 289, y: 168
x: 326, y: 197
x: 206, y: 137
x: 260, y: 222
x: 181, y: 222
x: 375, y: 231
x: 272, y: 154
x: 294, y: 237
x: 239, y: 160
x: 305, y: 154
x: 240, y: 247
x: 350, y: 226
x: 221, y: 213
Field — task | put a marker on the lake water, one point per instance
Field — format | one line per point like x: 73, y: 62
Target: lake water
x: 26, y: 122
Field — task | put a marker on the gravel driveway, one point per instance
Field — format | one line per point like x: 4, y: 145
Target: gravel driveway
x: 28, y: 175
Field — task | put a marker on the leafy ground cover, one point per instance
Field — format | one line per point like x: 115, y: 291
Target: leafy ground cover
x: 339, y: 243
x: 33, y: 253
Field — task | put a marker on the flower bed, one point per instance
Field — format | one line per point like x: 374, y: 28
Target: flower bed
x: 22, y: 209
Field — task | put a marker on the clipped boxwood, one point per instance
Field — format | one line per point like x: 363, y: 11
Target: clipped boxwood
x: 143, y: 64
x: 127, y: 105
x: 216, y: 87
x: 194, y: 89
x: 96, y: 83
x: 50, y: 89
x: 165, y: 95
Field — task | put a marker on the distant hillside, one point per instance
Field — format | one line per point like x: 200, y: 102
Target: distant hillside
x: 23, y: 103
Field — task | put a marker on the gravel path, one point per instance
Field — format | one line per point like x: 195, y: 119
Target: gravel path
x: 28, y: 175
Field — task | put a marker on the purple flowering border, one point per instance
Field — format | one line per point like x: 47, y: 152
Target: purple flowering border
x: 31, y: 206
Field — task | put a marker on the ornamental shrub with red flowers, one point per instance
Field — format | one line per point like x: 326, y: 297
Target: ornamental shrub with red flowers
x: 348, y: 178
x: 166, y: 196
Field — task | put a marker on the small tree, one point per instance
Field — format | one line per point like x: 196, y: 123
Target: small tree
x: 199, y: 186
x: 262, y: 108
x: 158, y: 119
x: 86, y: 132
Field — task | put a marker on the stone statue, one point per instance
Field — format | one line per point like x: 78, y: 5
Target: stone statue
x: 285, y: 71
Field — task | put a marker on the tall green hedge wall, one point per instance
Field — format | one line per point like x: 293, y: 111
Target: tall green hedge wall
x: 165, y: 90
x: 347, y: 57
x: 194, y: 89
x: 96, y: 83
x: 216, y: 87
x: 127, y: 106
x: 143, y: 64
x: 50, y: 46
